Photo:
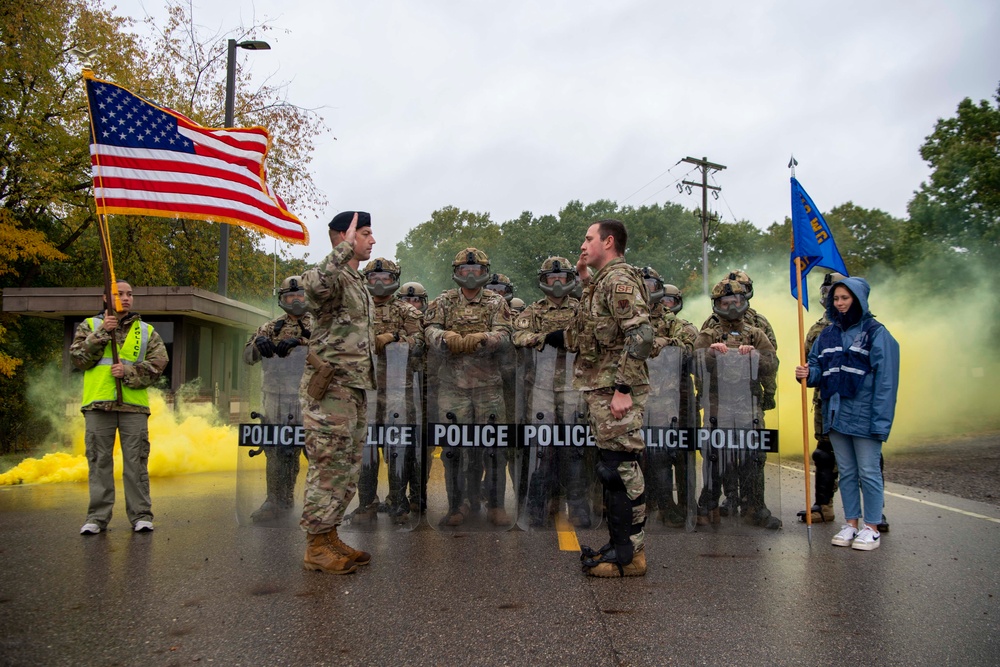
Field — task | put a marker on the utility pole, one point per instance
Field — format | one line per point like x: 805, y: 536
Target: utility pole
x: 705, y: 166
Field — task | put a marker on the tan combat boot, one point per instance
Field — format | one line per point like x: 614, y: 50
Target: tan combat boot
x: 637, y: 568
x: 498, y: 516
x: 337, y: 545
x: 825, y: 514
x: 323, y: 558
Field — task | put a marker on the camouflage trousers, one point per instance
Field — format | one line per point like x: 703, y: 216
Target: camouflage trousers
x: 466, y: 468
x: 623, y: 435
x: 336, y: 429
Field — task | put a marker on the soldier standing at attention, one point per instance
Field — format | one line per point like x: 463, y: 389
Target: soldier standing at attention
x: 280, y: 390
x: 613, y: 337
x: 339, y: 369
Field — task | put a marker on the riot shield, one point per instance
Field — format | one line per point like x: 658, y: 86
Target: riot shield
x: 557, y: 485
x: 469, y: 438
x: 271, y: 448
x: 668, y: 429
x: 389, y: 485
x: 734, y: 442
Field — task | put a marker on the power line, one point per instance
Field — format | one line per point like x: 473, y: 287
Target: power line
x: 651, y: 182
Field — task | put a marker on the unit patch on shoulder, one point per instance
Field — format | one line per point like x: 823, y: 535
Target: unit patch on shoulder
x: 622, y: 288
x: 522, y: 323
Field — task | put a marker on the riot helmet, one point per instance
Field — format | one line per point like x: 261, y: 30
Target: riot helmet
x: 502, y: 285
x: 381, y: 277
x: 742, y: 278
x: 292, y: 296
x: 729, y: 299
x: 517, y: 305
x: 557, y: 277
x: 673, y: 299
x: 414, y: 294
x: 471, y: 269
x: 654, y: 284
x: 829, y: 280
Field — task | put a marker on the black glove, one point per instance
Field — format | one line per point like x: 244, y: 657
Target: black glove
x: 556, y: 339
x: 265, y: 346
x: 285, y: 346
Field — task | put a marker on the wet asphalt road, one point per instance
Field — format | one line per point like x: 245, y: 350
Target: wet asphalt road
x: 203, y: 590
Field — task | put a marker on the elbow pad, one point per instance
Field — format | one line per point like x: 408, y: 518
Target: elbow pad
x: 639, y: 342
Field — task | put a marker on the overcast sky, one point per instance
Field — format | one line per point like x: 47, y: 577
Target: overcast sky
x: 511, y: 106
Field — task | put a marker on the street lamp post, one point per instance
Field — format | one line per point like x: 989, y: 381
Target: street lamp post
x: 250, y: 45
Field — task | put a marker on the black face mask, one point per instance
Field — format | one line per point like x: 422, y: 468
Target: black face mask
x: 850, y: 318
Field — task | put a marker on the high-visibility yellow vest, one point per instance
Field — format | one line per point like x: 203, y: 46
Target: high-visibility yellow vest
x: 99, y: 384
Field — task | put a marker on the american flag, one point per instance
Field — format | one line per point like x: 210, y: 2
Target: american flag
x: 149, y: 160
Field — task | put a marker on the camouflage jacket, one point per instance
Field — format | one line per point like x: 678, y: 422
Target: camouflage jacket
x: 613, y: 303
x: 541, y: 318
x: 277, y: 330
x: 751, y: 317
x: 811, y: 337
x: 670, y: 330
x: 400, y: 318
x: 87, y: 349
x: 343, y: 336
x: 737, y: 333
x: 487, y: 313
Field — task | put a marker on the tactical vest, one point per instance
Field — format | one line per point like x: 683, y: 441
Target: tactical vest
x: 99, y: 384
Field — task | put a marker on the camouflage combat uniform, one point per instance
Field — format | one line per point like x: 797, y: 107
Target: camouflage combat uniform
x: 280, y: 389
x: 755, y: 319
x: 470, y: 386
x: 336, y: 426
x: 741, y: 473
x: 671, y: 396
x: 549, y: 395
x: 614, y: 302
x: 131, y: 421
x: 404, y: 322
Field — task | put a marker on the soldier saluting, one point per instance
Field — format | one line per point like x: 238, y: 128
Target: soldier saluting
x: 339, y: 369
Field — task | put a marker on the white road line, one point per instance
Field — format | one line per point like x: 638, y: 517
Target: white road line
x: 922, y: 502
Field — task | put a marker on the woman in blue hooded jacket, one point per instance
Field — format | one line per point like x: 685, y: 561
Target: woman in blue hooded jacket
x: 855, y: 363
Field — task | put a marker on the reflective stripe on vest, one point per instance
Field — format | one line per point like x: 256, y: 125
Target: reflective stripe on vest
x: 99, y: 384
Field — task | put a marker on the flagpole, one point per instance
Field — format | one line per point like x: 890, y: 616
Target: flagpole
x: 111, y: 299
x: 802, y: 383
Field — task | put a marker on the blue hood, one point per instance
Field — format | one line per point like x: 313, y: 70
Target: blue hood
x: 859, y: 287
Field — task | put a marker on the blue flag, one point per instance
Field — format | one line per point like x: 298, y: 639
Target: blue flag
x: 812, y: 241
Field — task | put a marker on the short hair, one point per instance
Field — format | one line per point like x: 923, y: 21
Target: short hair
x: 615, y: 228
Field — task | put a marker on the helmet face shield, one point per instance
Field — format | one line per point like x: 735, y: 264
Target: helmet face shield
x: 730, y: 306
x: 381, y: 283
x: 655, y: 288
x: 293, y: 302
x: 673, y: 303
x: 418, y: 302
x: 471, y: 276
x: 557, y: 284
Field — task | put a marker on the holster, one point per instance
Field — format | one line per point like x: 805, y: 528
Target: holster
x: 321, y: 378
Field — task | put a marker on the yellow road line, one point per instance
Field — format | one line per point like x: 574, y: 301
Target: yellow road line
x: 566, y: 534
x: 974, y: 515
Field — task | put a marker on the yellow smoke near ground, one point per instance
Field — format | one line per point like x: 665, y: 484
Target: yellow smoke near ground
x: 187, y: 439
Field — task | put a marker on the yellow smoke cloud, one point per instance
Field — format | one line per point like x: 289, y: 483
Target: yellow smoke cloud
x: 188, y: 440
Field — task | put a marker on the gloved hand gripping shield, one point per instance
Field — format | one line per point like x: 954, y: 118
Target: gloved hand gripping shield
x: 389, y: 485
x: 558, y: 487
x: 668, y: 429
x: 271, y: 440
x: 468, y: 440
x: 734, y: 442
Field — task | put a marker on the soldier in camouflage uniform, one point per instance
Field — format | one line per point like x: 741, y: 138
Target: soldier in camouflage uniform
x: 395, y: 321
x: 544, y: 323
x: 280, y: 388
x: 517, y: 306
x: 142, y: 358
x: 415, y: 294
x: 612, y: 337
x: 506, y: 355
x: 473, y: 325
x: 669, y: 330
x: 342, y: 344
x: 742, y: 474
x: 755, y: 319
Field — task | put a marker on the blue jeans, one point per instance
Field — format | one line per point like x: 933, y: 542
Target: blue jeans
x: 858, y: 457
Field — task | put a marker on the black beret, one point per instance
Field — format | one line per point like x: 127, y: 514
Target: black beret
x: 342, y: 220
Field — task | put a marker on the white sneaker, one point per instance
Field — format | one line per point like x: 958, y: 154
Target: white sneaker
x: 90, y: 529
x: 844, y: 537
x: 143, y: 527
x: 867, y: 539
